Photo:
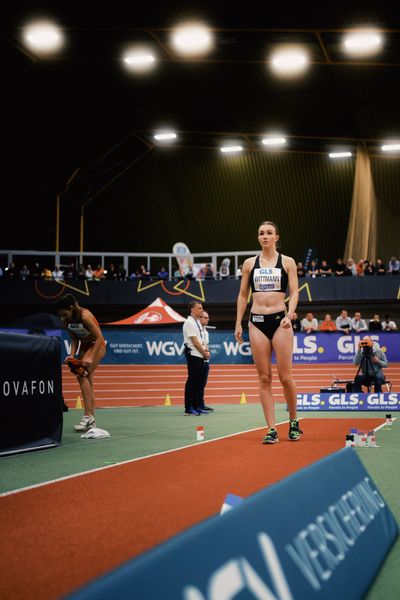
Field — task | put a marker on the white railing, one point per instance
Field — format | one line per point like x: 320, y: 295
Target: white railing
x: 105, y: 258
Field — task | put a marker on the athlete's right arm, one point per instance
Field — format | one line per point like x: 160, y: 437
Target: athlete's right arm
x: 242, y: 299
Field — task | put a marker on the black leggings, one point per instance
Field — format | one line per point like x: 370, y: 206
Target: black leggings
x: 267, y: 324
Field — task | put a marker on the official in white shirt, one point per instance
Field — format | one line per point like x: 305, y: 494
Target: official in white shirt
x: 195, y: 353
x: 204, y: 319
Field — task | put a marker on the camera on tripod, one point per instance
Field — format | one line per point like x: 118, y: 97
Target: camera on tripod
x: 366, y: 346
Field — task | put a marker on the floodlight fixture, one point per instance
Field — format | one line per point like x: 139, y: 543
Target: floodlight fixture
x: 392, y: 147
x: 139, y: 59
x: 289, y: 60
x: 165, y: 136
x: 362, y: 42
x: 231, y: 149
x: 274, y: 141
x: 340, y: 154
x: 43, y: 37
x: 192, y: 39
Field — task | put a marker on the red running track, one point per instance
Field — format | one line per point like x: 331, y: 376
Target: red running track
x: 148, y: 385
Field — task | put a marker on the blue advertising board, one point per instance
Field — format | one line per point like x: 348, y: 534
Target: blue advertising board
x: 166, y: 347
x: 320, y: 533
x: 337, y: 401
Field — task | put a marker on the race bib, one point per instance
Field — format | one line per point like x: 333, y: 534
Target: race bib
x: 267, y: 280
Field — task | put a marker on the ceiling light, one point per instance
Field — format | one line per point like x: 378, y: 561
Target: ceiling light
x: 139, y: 59
x: 339, y: 154
x: 165, y: 136
x: 43, y: 37
x: 362, y: 42
x: 191, y: 39
x: 231, y: 149
x: 274, y: 141
x: 289, y: 60
x: 390, y: 147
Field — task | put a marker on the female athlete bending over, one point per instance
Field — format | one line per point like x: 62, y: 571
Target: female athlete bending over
x: 85, y: 333
x: 270, y: 328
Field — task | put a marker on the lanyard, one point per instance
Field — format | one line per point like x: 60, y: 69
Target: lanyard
x: 198, y: 326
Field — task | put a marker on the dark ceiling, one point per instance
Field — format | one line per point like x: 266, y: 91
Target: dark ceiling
x: 67, y: 113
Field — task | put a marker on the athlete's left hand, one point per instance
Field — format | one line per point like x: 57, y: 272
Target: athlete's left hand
x: 286, y: 322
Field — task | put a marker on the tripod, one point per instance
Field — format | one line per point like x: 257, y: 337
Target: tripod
x: 370, y: 374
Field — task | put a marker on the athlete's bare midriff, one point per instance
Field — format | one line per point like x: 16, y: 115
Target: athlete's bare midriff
x: 266, y: 303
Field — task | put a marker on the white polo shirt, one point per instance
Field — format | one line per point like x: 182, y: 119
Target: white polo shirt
x: 191, y: 328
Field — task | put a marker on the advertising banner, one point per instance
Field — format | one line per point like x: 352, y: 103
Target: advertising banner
x: 321, y: 533
x: 166, y: 347
x: 31, y: 404
x: 341, y: 401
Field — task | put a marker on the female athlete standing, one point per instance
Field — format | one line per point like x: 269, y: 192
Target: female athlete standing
x: 85, y: 333
x: 270, y: 328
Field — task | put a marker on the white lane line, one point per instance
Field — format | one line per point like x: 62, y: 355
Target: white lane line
x: 126, y: 462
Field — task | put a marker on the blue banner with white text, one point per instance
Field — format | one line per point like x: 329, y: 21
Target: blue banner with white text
x: 335, y: 401
x: 166, y: 347
x: 321, y: 533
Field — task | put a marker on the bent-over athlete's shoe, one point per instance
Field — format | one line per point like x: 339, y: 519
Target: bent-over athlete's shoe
x: 294, y: 430
x: 86, y: 423
x: 271, y: 437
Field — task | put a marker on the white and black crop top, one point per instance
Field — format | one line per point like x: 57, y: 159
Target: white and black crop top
x: 79, y: 330
x: 268, y: 279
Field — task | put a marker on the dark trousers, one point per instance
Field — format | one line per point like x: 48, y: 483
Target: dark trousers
x: 367, y: 380
x: 204, y: 377
x: 193, y: 386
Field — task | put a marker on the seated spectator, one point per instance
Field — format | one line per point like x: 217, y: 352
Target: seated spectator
x: 24, y: 273
x: 208, y: 272
x: 313, y: 269
x: 143, y: 273
x: 301, y: 272
x: 357, y: 323
x: 324, y: 270
x: 36, y: 271
x: 89, y: 273
x: 380, y: 268
x: 369, y: 268
x: 178, y: 275
x: 81, y: 272
x: 239, y: 272
x: 121, y: 273
x: 132, y: 276
x: 11, y: 271
x: 340, y: 268
x: 296, y: 324
x: 98, y: 273
x: 375, y: 324
x: 388, y: 324
x: 343, y: 322
x: 112, y: 274
x: 360, y: 266
x: 70, y: 273
x: 46, y: 274
x: 393, y: 266
x: 309, y: 323
x: 350, y: 264
x: 57, y: 274
x: 162, y: 273
x: 328, y: 324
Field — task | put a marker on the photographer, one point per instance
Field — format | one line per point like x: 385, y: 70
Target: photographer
x: 372, y: 361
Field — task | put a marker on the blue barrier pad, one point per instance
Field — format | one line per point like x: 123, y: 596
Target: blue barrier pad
x: 321, y: 533
x: 341, y: 401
